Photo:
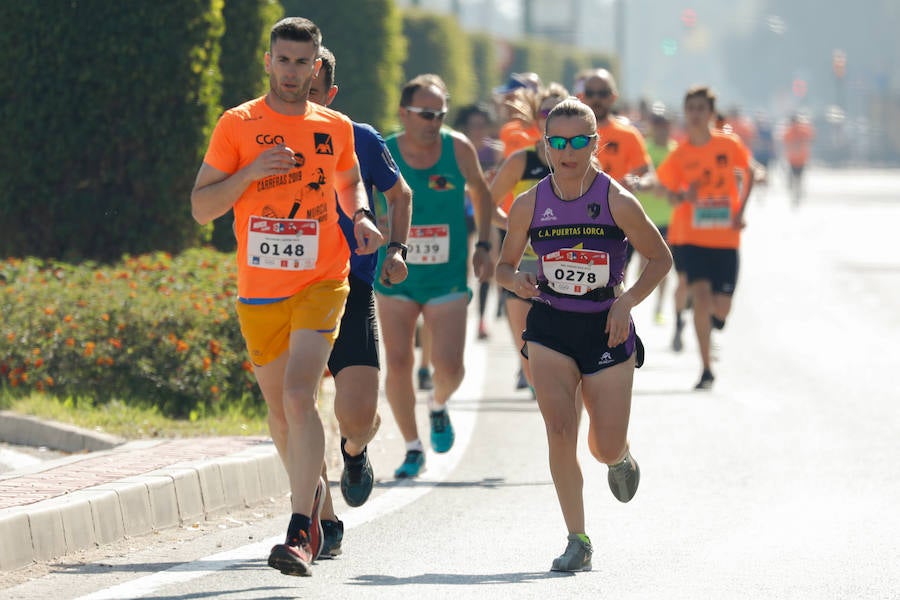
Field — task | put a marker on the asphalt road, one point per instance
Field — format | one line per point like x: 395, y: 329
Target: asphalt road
x: 781, y: 482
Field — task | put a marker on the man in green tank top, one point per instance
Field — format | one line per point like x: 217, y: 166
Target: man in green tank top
x: 438, y: 164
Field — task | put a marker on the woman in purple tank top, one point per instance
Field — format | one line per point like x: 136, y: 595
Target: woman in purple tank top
x: 579, y: 330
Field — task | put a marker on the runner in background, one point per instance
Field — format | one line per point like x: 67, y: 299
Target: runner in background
x: 703, y: 173
x: 522, y: 170
x: 354, y: 360
x: 438, y: 163
x: 655, y: 200
x: 797, y: 141
x: 476, y: 123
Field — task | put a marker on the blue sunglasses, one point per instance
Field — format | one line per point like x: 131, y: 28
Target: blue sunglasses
x: 558, y: 142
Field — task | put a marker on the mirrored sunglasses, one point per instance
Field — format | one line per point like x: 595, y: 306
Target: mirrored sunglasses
x: 426, y: 113
x: 558, y: 142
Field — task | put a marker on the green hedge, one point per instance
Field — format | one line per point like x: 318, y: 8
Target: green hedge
x: 437, y: 44
x: 150, y: 329
x: 106, y: 110
x: 367, y: 41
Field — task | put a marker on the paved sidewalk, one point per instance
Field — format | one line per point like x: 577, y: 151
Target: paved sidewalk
x: 84, y: 500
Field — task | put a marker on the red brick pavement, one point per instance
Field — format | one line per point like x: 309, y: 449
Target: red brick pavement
x: 97, y: 469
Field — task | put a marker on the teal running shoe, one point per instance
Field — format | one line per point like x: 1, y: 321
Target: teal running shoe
x: 442, y: 435
x: 412, y: 465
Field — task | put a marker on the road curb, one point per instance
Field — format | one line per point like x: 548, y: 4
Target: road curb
x: 174, y: 496
x: 26, y: 430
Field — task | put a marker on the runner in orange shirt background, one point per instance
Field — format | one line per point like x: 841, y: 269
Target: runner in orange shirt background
x: 797, y: 139
x: 278, y: 161
x: 621, y: 151
x: 711, y: 176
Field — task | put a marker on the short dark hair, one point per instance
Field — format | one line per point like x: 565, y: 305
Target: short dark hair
x: 295, y: 29
x: 470, y: 110
x: 702, y: 91
x: 421, y: 81
x: 329, y: 63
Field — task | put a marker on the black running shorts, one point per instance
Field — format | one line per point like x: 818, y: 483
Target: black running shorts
x: 357, y: 341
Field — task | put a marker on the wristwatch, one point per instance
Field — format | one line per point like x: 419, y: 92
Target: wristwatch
x: 403, y: 248
x: 366, y: 213
x: 483, y: 244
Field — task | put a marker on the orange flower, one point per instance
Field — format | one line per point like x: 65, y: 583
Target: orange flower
x: 39, y: 362
x: 215, y: 347
x: 39, y: 386
x: 181, y: 346
x: 48, y: 380
x: 67, y: 318
x: 105, y: 317
x: 115, y: 343
x: 70, y: 342
x: 49, y: 310
x: 214, y: 389
x: 11, y: 337
x: 36, y: 351
x: 89, y: 348
x: 247, y: 366
x: 207, y: 363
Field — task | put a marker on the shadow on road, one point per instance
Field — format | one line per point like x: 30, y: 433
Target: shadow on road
x: 455, y: 578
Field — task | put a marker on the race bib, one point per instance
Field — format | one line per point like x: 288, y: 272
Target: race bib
x: 576, y: 272
x: 428, y: 244
x: 283, y: 244
x: 712, y: 212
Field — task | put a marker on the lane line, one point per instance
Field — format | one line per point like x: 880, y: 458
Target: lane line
x: 440, y: 466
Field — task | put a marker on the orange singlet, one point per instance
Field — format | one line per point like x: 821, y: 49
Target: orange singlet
x: 286, y: 225
x: 621, y: 149
x: 708, y: 222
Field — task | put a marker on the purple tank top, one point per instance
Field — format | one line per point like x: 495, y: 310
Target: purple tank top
x: 581, y: 249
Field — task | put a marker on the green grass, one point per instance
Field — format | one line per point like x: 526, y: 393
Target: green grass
x: 131, y: 422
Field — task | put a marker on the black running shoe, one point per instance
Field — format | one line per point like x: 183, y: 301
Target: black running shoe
x: 333, y: 534
x: 357, y: 479
x: 706, y: 381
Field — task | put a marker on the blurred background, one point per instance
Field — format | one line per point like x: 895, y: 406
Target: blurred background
x: 836, y: 62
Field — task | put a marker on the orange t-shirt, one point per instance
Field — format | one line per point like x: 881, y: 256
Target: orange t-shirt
x: 621, y: 149
x: 708, y: 223
x: 797, y: 139
x: 515, y: 136
x: 277, y: 255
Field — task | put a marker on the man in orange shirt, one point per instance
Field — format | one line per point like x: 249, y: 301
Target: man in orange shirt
x: 797, y: 139
x: 702, y: 174
x: 278, y: 161
x: 621, y: 151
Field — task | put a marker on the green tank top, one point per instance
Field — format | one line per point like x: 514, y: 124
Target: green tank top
x: 656, y: 205
x: 438, y: 237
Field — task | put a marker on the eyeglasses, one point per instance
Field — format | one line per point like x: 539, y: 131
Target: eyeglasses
x: 558, y: 142
x: 597, y: 93
x: 426, y: 113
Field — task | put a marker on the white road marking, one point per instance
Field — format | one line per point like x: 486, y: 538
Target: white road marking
x: 439, y: 468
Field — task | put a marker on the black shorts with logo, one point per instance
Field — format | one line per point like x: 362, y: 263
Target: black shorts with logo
x: 580, y: 336
x: 357, y: 341
x: 719, y: 266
